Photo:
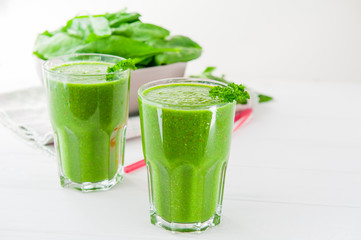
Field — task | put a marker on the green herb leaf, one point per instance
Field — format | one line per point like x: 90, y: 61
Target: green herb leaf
x: 121, y: 46
x: 208, y: 74
x: 121, y: 34
x: 118, y: 18
x: 141, y: 31
x: 232, y: 92
x: 264, y: 98
x: 48, y: 46
x: 187, y: 50
x: 120, y: 66
x: 88, y: 28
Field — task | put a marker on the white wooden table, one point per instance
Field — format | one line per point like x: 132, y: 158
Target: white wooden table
x: 294, y: 173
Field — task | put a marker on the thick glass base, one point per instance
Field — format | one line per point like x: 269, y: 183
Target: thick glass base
x: 92, y: 186
x: 185, y: 227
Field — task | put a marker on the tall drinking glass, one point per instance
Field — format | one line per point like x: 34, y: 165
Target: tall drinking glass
x: 186, y: 140
x: 88, y: 110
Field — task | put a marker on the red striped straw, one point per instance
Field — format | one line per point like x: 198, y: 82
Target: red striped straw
x: 134, y: 166
x: 239, y: 119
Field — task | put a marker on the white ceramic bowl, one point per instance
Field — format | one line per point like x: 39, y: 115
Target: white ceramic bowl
x: 138, y: 78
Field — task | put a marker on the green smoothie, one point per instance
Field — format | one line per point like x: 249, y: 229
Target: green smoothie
x: 186, y: 142
x: 89, y: 116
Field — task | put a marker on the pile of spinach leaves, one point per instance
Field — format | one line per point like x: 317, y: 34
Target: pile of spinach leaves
x: 122, y: 34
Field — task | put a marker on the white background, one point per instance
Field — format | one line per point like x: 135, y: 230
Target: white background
x: 292, y: 40
x: 295, y: 169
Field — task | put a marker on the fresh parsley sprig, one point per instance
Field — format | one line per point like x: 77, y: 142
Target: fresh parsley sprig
x: 208, y: 74
x: 230, y: 93
x: 120, y: 66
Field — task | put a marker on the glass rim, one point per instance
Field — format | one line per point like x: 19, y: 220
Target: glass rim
x: 170, y: 81
x: 46, y: 68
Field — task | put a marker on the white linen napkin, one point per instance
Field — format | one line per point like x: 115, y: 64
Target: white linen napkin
x: 25, y: 113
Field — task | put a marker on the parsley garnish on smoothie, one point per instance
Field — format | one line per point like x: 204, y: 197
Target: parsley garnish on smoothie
x: 230, y: 93
x: 208, y: 74
x: 120, y: 66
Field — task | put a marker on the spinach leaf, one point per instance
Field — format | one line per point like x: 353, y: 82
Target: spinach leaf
x: 49, y: 34
x: 88, y: 28
x: 141, y: 31
x: 121, y: 46
x: 121, y: 34
x: 115, y: 19
x: 142, y: 62
x: 49, y: 46
x: 187, y: 50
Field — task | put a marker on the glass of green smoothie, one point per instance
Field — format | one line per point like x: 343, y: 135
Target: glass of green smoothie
x: 89, y: 111
x: 186, y: 138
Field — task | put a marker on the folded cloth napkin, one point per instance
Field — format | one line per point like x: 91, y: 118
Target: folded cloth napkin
x: 25, y: 113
